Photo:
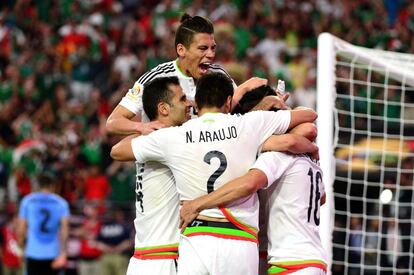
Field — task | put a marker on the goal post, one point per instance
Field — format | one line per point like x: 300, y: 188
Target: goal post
x: 325, y: 102
x: 365, y: 105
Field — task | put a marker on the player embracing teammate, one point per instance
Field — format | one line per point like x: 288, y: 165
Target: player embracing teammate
x: 197, y: 158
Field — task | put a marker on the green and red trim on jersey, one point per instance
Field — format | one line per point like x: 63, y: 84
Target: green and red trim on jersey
x: 160, y: 252
x: 220, y: 232
x: 245, y: 227
x: 282, y: 268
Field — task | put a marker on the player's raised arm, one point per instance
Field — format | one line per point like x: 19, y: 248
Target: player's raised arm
x: 292, y: 143
x: 245, y: 87
x: 120, y: 122
x: 301, y: 115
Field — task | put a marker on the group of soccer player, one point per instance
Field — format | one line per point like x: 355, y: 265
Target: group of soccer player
x: 214, y: 164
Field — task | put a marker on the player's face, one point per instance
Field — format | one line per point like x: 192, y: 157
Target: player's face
x: 199, y: 55
x: 180, y: 106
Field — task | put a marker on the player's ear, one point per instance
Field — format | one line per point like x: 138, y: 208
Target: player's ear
x: 163, y: 109
x: 181, y: 50
x: 228, y: 104
x: 195, y: 106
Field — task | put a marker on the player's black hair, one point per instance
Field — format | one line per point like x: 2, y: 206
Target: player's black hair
x: 157, y: 91
x: 252, y: 98
x: 191, y: 25
x: 213, y: 89
x: 46, y: 179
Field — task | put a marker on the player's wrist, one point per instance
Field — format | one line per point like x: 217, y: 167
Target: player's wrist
x: 196, y: 206
x: 139, y: 127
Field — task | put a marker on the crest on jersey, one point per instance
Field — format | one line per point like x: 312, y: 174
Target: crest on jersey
x: 134, y: 92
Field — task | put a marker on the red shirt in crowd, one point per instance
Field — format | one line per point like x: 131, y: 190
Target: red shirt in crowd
x: 11, y: 252
x: 97, y: 187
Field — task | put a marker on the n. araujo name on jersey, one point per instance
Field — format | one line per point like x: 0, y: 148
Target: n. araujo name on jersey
x: 208, y: 151
x: 212, y: 136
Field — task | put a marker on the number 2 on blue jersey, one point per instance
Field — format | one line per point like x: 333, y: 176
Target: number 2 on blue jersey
x: 45, y: 216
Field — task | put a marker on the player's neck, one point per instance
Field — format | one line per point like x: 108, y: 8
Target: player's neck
x: 211, y: 110
x: 182, y: 67
x: 166, y: 121
x: 225, y: 109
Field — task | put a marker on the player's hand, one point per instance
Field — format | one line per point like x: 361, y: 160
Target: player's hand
x: 147, y: 128
x: 188, y: 213
x: 253, y: 82
x: 280, y: 90
x: 315, y: 155
x: 283, y: 97
x: 59, y: 261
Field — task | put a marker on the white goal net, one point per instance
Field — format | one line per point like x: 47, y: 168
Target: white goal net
x: 365, y: 110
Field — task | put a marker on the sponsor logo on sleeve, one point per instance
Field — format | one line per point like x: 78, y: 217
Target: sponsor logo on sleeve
x: 135, y: 91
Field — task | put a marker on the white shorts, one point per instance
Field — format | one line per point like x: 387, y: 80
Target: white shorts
x: 208, y: 255
x: 151, y: 267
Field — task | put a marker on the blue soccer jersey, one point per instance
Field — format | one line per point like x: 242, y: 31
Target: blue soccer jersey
x: 43, y: 213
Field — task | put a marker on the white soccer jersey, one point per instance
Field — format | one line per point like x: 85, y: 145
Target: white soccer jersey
x: 157, y: 216
x: 206, y: 152
x: 295, y: 188
x: 133, y: 99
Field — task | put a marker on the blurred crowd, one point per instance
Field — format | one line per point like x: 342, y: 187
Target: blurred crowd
x: 64, y: 66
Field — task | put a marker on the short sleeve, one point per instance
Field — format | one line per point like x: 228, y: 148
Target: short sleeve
x: 277, y: 122
x: 273, y: 165
x: 148, y: 148
x: 267, y: 123
x: 65, y: 209
x: 133, y: 99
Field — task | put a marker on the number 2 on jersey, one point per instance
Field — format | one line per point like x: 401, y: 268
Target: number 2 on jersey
x: 45, y: 213
x: 220, y: 170
x: 318, y: 178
